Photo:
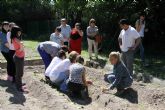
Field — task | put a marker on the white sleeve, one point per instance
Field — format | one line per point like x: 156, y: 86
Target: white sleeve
x: 51, y: 37
x: 120, y: 36
x: 136, y: 34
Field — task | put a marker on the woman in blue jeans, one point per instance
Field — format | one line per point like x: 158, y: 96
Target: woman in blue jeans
x: 120, y: 78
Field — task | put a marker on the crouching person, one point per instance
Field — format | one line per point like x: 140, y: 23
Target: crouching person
x: 120, y: 78
x: 61, y: 71
x: 77, y: 84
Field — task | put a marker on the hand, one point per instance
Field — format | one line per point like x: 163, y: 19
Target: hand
x: 105, y: 89
x: 132, y: 48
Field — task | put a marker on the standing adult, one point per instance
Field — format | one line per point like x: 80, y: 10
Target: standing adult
x: 92, y: 31
x: 129, y: 39
x: 11, y: 49
x: 65, y: 30
x: 4, y: 47
x: 76, y: 38
x: 140, y: 27
x: 57, y: 36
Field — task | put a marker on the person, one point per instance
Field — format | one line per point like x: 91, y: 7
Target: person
x: 48, y: 50
x: 11, y: 50
x: 77, y: 79
x: 92, y: 31
x: 120, y: 78
x: 57, y: 36
x: 129, y: 39
x: 4, y: 47
x: 65, y: 30
x: 56, y: 60
x: 18, y: 57
x: 140, y: 27
x: 61, y: 71
x: 76, y: 38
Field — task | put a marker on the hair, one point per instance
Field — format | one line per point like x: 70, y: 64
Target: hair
x: 124, y: 21
x: 64, y: 48
x: 63, y: 19
x: 142, y: 14
x: 61, y: 54
x: 92, y: 21
x: 12, y: 24
x: 14, y: 32
x: 115, y: 55
x: 80, y: 59
x: 58, y: 29
x: 72, y: 56
x: 3, y: 24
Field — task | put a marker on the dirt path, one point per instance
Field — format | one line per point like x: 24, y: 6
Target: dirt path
x: 43, y: 97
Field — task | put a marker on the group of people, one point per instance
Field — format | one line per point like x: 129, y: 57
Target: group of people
x: 69, y: 73
x: 11, y: 47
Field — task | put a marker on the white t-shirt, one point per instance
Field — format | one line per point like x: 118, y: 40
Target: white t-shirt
x: 11, y: 46
x: 54, y: 62
x: 128, y: 38
x: 65, y: 31
x: 63, y: 66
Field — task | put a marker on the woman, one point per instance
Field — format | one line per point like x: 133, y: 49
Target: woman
x: 4, y: 47
x: 77, y: 80
x: 76, y: 38
x: 92, y: 31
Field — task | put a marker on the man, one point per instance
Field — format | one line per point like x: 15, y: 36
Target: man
x: 140, y: 27
x: 129, y: 39
x: 48, y: 50
x: 65, y: 31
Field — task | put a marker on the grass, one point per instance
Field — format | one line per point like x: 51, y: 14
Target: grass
x: 156, y: 68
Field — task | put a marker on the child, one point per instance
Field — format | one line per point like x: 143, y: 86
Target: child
x: 18, y: 58
x: 61, y: 71
x: 56, y: 60
x: 57, y: 37
x: 120, y: 78
x: 77, y: 80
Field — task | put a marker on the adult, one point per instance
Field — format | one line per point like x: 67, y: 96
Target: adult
x: 77, y: 79
x: 61, y: 71
x: 92, y: 31
x: 76, y: 38
x: 56, y: 60
x: 11, y: 49
x: 65, y: 30
x: 48, y: 50
x: 140, y: 27
x: 129, y: 39
x: 57, y: 36
x: 4, y: 47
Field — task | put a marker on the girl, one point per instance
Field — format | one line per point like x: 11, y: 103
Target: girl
x: 18, y: 58
x: 56, y: 60
x: 92, y: 31
x: 4, y: 47
x: 77, y: 80
x: 76, y: 38
x: 120, y: 78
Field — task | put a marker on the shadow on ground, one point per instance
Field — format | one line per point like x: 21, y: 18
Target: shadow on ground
x: 18, y: 97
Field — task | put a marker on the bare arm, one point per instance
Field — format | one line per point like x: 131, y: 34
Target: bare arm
x: 84, y: 79
x: 138, y: 26
x: 137, y: 42
x: 7, y: 45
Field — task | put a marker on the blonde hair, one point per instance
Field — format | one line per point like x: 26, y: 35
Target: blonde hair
x: 72, y: 56
x: 115, y: 55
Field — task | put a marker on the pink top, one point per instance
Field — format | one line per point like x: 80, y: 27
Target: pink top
x: 17, y: 45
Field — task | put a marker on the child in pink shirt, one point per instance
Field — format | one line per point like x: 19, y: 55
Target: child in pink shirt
x: 18, y: 58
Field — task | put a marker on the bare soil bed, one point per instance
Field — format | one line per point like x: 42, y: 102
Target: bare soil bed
x: 141, y: 96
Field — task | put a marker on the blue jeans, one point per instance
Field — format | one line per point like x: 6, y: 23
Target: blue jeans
x: 45, y: 57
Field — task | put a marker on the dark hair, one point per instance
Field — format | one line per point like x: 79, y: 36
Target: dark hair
x: 58, y: 29
x: 61, y: 54
x: 124, y: 21
x: 142, y: 14
x: 79, y: 25
x: 64, y: 48
x: 14, y: 32
x: 3, y: 24
x: 80, y: 59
